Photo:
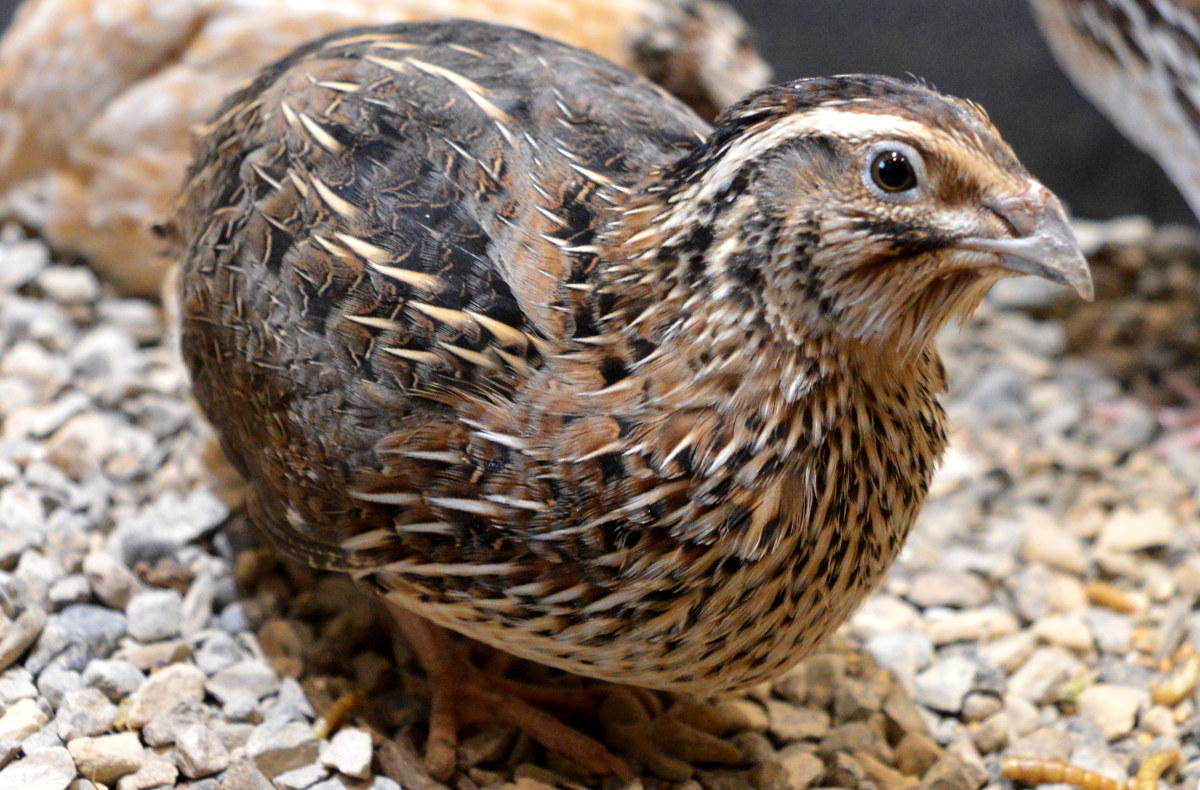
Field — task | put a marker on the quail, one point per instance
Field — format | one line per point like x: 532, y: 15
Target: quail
x: 1138, y: 61
x: 519, y: 341
x: 97, y: 97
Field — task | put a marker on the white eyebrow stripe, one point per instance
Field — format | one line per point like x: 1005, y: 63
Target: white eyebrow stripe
x: 826, y: 121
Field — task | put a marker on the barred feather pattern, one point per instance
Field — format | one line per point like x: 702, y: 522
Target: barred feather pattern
x: 515, y: 337
x: 1138, y: 61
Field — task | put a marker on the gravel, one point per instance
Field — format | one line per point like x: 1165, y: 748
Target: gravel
x: 1042, y: 603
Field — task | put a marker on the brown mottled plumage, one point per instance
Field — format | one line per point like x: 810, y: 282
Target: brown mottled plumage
x: 512, y: 335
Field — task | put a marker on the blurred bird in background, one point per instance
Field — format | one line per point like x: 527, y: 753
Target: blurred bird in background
x: 1139, y: 62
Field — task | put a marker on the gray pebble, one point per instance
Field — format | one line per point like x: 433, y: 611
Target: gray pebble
x: 197, y: 606
x: 164, y: 728
x: 22, y: 512
x: 218, y: 651
x: 136, y: 317
x: 904, y: 652
x: 52, y: 769
x: 36, y: 320
x: 15, y: 540
x: 161, y: 416
x: 168, y: 523
x: 1040, y: 677
x: 300, y: 778
x: 1121, y: 672
x: 84, y: 712
x: 45, y: 738
x: 34, y: 574
x: 233, y: 618
x: 154, y: 615
x: 69, y: 284
x: 978, y: 706
x: 107, y: 758
x: 20, y: 635
x: 290, y: 704
x: 23, y: 262
x: 791, y: 723
x: 955, y: 589
x: 55, y: 682
x: 349, y: 752
x: 73, y: 588
x: 16, y: 684
x: 1024, y: 293
x: 21, y: 719
x: 248, y: 678
x: 38, y: 422
x: 278, y: 749
x: 115, y: 678
x: 105, y: 351
x: 944, y: 685
x: 1048, y: 743
x: 76, y: 635
x: 235, y: 735
x: 241, y: 707
x: 154, y: 773
x: 112, y: 582
x: 992, y: 733
x: 163, y: 690
x: 1112, y: 709
x: 199, y: 752
x: 47, y: 372
x: 998, y: 396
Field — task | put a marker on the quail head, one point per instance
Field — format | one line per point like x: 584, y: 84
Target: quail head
x: 514, y: 337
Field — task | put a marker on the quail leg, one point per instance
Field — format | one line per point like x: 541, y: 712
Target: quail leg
x: 463, y: 694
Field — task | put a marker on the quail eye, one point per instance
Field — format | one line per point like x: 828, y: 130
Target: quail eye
x: 892, y: 171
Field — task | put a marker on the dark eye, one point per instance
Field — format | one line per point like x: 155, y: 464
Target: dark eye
x: 892, y: 172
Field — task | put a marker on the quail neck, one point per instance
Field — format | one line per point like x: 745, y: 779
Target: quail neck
x: 829, y: 224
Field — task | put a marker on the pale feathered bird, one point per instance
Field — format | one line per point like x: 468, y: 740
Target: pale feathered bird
x: 1138, y: 61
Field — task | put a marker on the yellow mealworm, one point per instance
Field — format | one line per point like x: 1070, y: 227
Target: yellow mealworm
x: 1180, y: 683
x: 1037, y: 770
x: 332, y: 718
x: 1152, y: 768
x: 1110, y: 597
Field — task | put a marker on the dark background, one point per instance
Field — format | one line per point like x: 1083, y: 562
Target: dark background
x: 987, y: 51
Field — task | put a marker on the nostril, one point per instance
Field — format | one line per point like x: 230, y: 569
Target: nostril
x: 1023, y: 213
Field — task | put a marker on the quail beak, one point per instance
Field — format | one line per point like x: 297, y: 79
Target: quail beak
x: 1042, y: 244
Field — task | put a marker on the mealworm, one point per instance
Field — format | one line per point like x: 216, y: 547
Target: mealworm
x: 1180, y: 683
x: 1153, y: 767
x: 329, y: 721
x: 1036, y: 770
x: 1110, y: 597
